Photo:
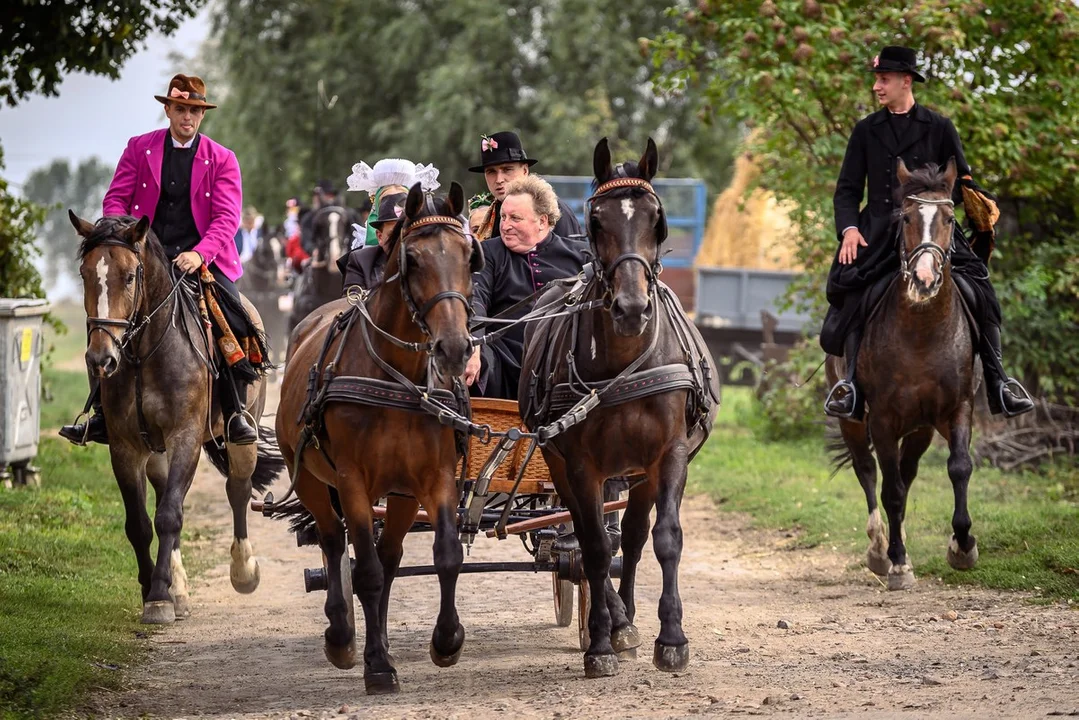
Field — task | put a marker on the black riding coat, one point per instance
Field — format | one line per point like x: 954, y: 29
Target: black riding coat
x: 506, y: 279
x: 872, y: 160
x: 363, y: 266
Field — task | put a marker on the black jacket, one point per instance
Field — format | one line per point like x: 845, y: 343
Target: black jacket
x: 363, y: 266
x: 506, y: 279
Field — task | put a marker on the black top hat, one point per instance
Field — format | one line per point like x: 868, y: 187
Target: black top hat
x: 895, y: 58
x: 390, y: 209
x: 502, y: 147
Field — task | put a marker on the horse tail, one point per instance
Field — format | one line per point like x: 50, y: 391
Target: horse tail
x: 841, y: 456
x: 300, y: 519
x: 268, y: 462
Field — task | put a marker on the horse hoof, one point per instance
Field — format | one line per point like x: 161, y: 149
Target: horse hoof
x: 626, y: 638
x: 381, y: 683
x: 879, y: 564
x: 342, y: 657
x: 158, y: 612
x: 246, y: 579
x: 597, y: 666
x: 962, y: 560
x: 901, y: 577
x: 627, y: 654
x: 449, y: 659
x: 671, y: 658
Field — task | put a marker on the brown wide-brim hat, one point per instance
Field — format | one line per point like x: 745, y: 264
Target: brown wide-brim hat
x: 186, y: 90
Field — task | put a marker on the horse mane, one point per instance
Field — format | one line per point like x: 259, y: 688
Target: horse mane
x: 927, y: 179
x: 114, y: 227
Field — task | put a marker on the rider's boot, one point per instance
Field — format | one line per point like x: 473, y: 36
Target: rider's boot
x: 239, y: 429
x: 1005, y: 394
x: 845, y: 400
x: 92, y: 429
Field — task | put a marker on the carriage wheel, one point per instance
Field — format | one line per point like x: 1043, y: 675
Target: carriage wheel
x: 584, y: 607
x: 563, y: 600
x: 346, y: 584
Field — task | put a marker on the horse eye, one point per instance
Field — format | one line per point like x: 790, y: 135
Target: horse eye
x: 906, y: 219
x: 130, y: 278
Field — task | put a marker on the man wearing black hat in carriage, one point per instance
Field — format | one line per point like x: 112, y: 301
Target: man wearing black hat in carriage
x: 503, y: 160
x: 903, y: 129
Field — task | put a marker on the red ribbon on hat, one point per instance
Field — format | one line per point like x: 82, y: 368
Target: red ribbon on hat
x: 178, y: 93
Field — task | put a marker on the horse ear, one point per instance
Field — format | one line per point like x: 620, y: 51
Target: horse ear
x: 649, y: 164
x: 950, y: 172
x: 82, y: 227
x: 601, y: 162
x: 455, y: 200
x: 414, y: 201
x: 137, y: 234
x: 902, y: 173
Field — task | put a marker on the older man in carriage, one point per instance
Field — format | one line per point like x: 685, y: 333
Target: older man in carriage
x: 189, y: 188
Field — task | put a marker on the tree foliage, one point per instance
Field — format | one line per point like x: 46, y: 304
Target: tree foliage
x: 59, y: 187
x: 1006, y: 72
x: 423, y: 79
x: 41, y: 40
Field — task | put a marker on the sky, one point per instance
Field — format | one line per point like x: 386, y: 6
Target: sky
x: 94, y: 115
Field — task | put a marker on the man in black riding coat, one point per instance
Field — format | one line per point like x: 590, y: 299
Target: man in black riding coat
x: 527, y: 256
x: 902, y: 129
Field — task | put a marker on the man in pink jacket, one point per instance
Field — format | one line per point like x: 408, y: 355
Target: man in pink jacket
x: 189, y: 188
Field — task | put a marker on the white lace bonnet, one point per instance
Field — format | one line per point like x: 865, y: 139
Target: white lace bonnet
x: 392, y: 171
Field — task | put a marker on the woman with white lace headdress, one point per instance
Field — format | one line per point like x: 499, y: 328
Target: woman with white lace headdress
x: 389, y: 175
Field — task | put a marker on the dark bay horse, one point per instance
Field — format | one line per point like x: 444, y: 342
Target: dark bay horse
x: 367, y: 451
x: 916, y: 367
x: 321, y: 281
x: 641, y: 339
x: 147, y: 344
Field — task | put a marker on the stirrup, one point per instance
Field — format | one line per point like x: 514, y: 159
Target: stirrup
x: 1021, y: 395
x: 850, y: 388
x: 251, y: 418
x: 84, y: 441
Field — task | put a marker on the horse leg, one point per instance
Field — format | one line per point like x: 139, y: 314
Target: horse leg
x: 448, y: 637
x: 379, y: 675
x: 157, y: 470
x: 963, y: 548
x: 635, y: 525
x: 183, y: 458
x: 894, y: 497
x: 128, y: 466
x: 400, y: 514
x: 672, y: 647
x: 340, y: 636
x: 856, y: 438
x: 244, y: 568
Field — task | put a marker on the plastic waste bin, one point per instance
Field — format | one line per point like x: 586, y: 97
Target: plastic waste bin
x: 21, y: 348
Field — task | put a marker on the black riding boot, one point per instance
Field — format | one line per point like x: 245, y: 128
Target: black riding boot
x: 845, y: 400
x: 92, y: 429
x: 231, y: 394
x: 1005, y: 394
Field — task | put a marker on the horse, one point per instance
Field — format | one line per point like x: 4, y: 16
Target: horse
x: 648, y: 368
x: 320, y: 281
x: 916, y: 369
x: 263, y: 282
x: 410, y: 332
x: 147, y: 345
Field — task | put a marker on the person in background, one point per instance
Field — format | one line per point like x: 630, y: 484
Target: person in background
x: 388, y: 176
x: 365, y: 266
x: 250, y: 233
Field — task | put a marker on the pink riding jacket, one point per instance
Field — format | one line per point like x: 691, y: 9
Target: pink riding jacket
x: 216, y: 194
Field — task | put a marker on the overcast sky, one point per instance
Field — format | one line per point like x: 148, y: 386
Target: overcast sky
x: 94, y: 115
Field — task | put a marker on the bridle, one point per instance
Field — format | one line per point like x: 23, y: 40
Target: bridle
x: 605, y: 274
x: 906, y: 262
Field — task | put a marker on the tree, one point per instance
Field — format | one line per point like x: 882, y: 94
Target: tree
x: 423, y: 79
x: 58, y: 188
x: 1006, y: 72
x: 18, y: 220
x: 39, y: 40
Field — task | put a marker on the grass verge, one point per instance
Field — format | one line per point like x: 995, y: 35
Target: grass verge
x: 1027, y: 524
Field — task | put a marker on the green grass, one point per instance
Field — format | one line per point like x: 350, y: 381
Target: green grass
x: 69, y: 600
x: 1027, y: 524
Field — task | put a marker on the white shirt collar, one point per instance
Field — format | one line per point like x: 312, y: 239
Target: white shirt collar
x: 177, y: 144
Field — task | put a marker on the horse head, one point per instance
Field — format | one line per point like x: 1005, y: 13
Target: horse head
x: 114, y: 278
x: 331, y: 237
x: 925, y: 231
x: 625, y: 222
x: 432, y: 260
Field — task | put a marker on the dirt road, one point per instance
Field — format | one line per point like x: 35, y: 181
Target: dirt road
x: 852, y: 649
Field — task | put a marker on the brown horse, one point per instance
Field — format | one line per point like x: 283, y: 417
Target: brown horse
x: 649, y: 368
x: 916, y: 368
x: 367, y: 451
x: 147, y: 344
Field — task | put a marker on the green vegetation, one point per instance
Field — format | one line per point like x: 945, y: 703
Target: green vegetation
x: 1025, y: 522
